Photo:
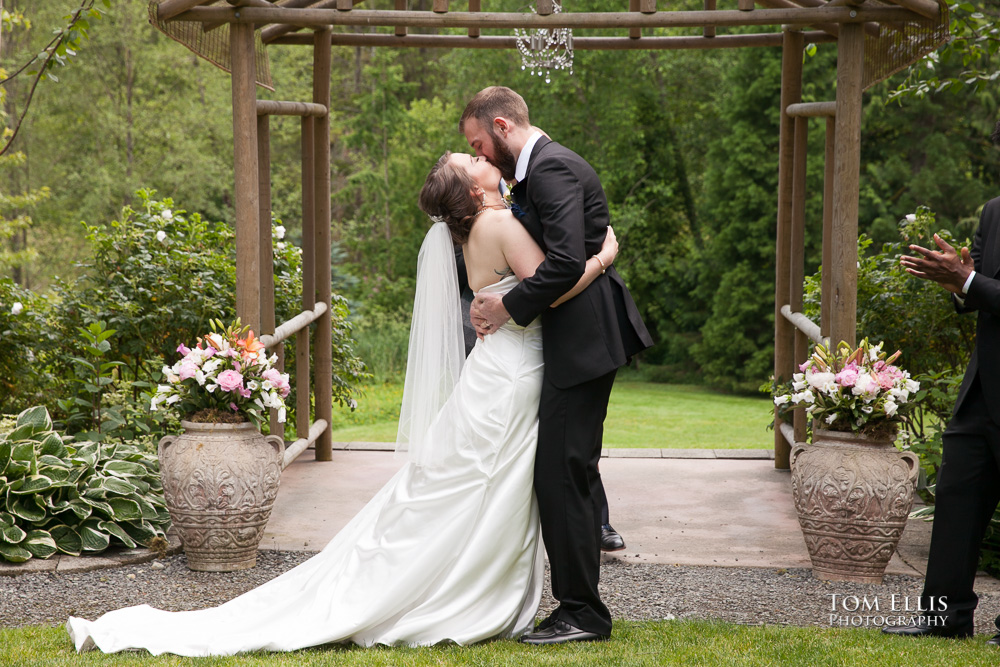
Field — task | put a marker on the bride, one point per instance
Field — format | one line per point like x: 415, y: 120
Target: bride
x: 449, y: 548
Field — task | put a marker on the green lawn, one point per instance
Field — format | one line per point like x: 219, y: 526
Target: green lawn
x: 641, y: 414
x: 634, y: 644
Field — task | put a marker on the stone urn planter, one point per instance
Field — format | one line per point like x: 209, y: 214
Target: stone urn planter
x: 220, y: 481
x: 852, y: 496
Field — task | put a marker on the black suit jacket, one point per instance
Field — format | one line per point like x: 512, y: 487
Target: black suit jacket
x: 565, y: 210
x: 984, y: 296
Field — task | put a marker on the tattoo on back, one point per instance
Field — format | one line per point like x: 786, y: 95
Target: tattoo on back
x: 504, y: 273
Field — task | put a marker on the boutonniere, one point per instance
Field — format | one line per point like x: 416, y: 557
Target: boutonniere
x: 507, y: 201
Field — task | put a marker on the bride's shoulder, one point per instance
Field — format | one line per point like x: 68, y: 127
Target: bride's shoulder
x: 494, y: 222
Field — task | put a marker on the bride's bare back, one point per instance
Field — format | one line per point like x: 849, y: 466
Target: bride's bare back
x: 499, y: 246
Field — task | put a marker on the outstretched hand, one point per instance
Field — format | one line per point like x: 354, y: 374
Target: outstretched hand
x: 488, y: 314
x: 948, y: 267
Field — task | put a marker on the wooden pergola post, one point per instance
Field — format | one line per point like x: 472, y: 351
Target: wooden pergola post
x: 266, y: 247
x: 797, y: 265
x: 784, y: 339
x: 321, y: 160
x: 846, y: 178
x: 245, y: 193
x: 302, y: 375
x: 827, y: 259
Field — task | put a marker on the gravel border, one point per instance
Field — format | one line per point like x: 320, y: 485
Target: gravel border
x: 633, y: 591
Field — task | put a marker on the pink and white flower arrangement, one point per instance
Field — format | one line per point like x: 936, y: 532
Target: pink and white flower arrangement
x: 229, y: 373
x: 852, y: 390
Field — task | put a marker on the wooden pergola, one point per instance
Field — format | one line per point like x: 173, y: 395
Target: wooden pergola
x: 874, y: 39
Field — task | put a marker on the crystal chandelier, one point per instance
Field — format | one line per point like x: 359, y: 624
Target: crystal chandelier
x: 546, y: 49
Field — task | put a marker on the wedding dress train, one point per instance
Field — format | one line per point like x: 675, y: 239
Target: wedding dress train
x: 446, y: 552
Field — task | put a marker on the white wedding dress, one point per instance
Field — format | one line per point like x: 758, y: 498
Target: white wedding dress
x: 443, y: 553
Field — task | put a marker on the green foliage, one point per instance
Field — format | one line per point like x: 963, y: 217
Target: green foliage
x: 73, y: 498
x: 971, y: 52
x: 916, y: 317
x: 89, y: 416
x: 25, y: 338
x: 62, y: 47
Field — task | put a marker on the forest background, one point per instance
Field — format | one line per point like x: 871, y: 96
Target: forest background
x: 685, y: 143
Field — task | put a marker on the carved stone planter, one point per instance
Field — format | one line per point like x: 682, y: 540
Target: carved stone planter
x: 220, y: 481
x: 852, y: 496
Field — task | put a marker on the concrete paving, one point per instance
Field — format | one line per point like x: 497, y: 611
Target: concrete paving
x: 706, y: 507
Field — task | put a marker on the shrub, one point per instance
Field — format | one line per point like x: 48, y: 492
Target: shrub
x: 74, y: 498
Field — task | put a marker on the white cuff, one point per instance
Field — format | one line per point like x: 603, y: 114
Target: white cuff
x: 968, y: 281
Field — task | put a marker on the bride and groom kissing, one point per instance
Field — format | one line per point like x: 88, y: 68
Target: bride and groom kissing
x: 502, y: 447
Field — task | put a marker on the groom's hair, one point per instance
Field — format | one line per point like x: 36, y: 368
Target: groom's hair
x: 492, y: 102
x: 447, y: 197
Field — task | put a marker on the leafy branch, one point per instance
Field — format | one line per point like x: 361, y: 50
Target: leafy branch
x: 975, y: 40
x: 64, y: 45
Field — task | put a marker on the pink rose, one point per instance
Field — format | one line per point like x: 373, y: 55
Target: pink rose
x: 187, y: 370
x: 885, y: 380
x: 848, y: 376
x: 230, y: 380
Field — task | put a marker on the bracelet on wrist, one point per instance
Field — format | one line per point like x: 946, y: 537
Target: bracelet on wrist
x: 604, y: 267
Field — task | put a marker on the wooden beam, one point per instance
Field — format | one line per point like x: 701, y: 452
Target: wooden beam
x: 320, y: 17
x: 873, y: 29
x: 286, y: 27
x: 345, y: 5
x: 440, y: 6
x: 784, y: 341
x: 928, y: 8
x: 647, y: 6
x: 302, y: 368
x: 168, y: 9
x: 787, y: 4
x: 323, y: 353
x: 544, y: 7
x: 277, y: 108
x: 745, y: 5
x: 846, y: 182
x: 246, y: 194
x: 579, y: 43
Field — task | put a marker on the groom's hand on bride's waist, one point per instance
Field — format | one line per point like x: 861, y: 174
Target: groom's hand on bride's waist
x: 488, y: 314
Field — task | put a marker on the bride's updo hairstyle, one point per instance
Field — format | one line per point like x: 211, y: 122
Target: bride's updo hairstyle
x: 447, y: 196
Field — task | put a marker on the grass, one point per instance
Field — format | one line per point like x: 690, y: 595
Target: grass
x: 641, y: 414
x: 637, y: 644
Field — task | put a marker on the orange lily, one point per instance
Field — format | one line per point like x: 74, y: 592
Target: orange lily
x: 250, y: 344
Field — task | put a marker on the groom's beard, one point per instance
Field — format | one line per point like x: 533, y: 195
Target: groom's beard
x: 503, y: 159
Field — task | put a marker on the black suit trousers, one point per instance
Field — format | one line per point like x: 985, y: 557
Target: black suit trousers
x: 570, y: 430
x: 968, y: 490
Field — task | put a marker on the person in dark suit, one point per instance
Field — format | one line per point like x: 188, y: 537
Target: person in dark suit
x: 968, y: 483
x: 611, y: 540
x: 559, y: 199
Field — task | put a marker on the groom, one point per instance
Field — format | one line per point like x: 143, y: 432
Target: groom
x: 561, y: 203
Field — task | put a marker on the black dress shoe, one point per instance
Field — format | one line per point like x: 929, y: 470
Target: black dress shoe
x: 561, y: 632
x: 548, y: 622
x: 994, y: 640
x: 610, y: 539
x: 955, y: 631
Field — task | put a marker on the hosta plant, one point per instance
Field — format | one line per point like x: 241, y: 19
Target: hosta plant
x: 74, y: 498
